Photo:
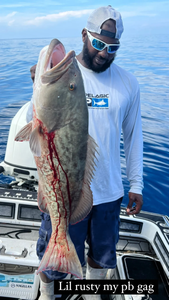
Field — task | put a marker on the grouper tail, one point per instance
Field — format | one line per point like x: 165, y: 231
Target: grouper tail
x: 61, y: 256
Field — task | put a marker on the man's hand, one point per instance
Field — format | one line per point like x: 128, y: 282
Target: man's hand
x: 138, y: 200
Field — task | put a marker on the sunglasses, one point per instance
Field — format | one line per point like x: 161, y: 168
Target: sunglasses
x: 100, y: 45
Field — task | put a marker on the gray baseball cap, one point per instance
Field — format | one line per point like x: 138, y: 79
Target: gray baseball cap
x: 101, y: 15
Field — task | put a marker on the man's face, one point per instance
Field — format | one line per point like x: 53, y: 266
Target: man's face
x: 94, y: 60
x: 99, y: 61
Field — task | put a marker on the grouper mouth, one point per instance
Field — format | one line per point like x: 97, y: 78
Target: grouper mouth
x: 57, y: 62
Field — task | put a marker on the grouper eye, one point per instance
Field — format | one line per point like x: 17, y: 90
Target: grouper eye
x: 72, y: 86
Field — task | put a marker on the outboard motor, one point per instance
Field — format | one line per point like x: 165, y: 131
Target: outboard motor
x: 19, y: 161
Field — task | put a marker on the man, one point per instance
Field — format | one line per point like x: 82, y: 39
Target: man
x: 113, y: 99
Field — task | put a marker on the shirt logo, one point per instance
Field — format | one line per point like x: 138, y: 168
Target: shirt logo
x: 98, y: 101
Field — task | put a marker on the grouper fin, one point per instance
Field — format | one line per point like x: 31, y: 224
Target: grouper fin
x: 86, y: 200
x: 34, y: 142
x: 60, y: 255
x: 42, y: 203
x: 24, y: 133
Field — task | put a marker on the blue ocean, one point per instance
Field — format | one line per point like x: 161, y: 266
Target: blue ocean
x: 147, y: 57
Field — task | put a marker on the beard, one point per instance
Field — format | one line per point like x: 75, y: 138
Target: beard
x: 88, y: 59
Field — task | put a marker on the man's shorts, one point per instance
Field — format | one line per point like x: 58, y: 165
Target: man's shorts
x: 101, y: 231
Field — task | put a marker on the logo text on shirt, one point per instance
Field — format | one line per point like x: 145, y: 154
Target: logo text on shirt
x: 97, y: 101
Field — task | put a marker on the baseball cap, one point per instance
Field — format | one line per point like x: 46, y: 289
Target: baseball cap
x: 102, y: 14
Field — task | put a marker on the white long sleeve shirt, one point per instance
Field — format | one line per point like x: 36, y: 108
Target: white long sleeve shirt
x: 113, y: 99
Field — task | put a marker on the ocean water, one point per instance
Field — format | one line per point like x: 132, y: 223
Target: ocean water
x: 147, y: 57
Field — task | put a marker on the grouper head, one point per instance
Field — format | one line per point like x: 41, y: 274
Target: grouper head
x: 58, y: 87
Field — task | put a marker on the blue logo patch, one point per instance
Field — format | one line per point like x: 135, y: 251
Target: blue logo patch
x: 100, y: 103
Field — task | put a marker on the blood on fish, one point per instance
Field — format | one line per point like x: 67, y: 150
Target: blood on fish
x: 53, y: 152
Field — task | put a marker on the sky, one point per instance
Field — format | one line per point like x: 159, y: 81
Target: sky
x: 65, y: 18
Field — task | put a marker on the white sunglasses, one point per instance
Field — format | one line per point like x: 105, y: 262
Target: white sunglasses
x: 100, y: 45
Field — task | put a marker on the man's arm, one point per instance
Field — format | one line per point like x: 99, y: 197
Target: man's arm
x: 133, y: 147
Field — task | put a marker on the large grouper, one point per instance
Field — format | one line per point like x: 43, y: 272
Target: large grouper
x: 64, y: 152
